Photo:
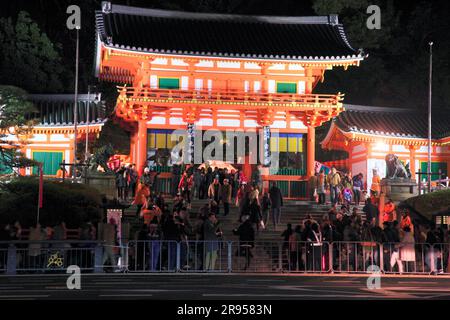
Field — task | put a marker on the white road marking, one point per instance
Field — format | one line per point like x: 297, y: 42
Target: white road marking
x: 125, y: 295
x: 25, y: 296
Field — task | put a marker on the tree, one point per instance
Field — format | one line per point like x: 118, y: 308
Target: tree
x: 73, y: 203
x: 14, y: 121
x: 28, y: 58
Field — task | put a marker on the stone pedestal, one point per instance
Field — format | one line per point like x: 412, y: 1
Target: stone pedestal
x: 399, y: 189
x: 104, y: 183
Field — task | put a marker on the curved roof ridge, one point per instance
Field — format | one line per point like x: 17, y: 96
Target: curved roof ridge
x: 357, y: 107
x: 163, y: 13
x: 123, y: 27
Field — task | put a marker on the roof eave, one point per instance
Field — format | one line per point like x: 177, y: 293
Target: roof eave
x: 237, y: 56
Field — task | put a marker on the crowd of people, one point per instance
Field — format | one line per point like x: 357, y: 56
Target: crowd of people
x: 173, y: 224
x: 168, y: 229
x: 357, y: 243
x: 342, y: 187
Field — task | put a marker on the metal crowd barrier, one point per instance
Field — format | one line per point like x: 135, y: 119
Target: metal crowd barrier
x: 224, y: 256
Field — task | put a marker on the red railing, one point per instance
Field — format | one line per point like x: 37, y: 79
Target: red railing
x: 149, y: 95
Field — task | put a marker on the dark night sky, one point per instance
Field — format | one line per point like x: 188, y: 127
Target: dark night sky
x: 51, y: 18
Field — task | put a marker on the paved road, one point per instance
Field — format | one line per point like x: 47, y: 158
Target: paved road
x: 215, y: 286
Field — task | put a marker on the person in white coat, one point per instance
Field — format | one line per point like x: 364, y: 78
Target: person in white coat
x: 407, y: 249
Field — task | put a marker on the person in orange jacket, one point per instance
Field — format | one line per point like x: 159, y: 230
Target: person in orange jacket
x: 390, y: 214
x: 406, y: 220
x: 150, y: 211
x: 142, y: 193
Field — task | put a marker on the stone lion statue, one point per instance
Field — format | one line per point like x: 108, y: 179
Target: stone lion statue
x: 100, y: 158
x: 395, y: 168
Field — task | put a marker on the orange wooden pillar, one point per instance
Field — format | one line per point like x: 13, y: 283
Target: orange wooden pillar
x: 141, y: 146
x: 412, y: 161
x: 247, y: 168
x: 310, y: 151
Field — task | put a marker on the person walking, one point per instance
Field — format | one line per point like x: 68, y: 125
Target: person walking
x: 197, y: 183
x: 142, y: 193
x: 211, y: 235
x: 185, y: 186
x: 265, y: 208
x: 334, y: 180
x: 276, y: 200
x: 176, y: 175
x: 286, y: 234
x: 407, y: 249
x: 108, y: 234
x: 358, y: 186
x: 246, y: 235
x: 132, y: 177
x: 371, y: 211
x: 121, y: 183
x: 214, y: 192
x: 314, y: 239
x: 295, y: 250
x: 321, y: 181
x: 154, y: 235
x: 35, y: 247
x: 225, y: 196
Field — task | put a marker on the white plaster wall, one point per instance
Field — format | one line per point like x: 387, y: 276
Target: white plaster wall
x: 257, y: 86
x: 251, y: 65
x: 399, y: 148
x: 153, y: 82
x: 179, y: 62
x: 184, y: 83
x: 250, y: 123
x: 160, y: 61
x: 157, y: 120
x: 359, y: 148
x: 208, y: 64
x: 39, y: 138
x: 360, y: 167
x: 379, y: 164
x: 198, y: 84
x: 301, y: 87
x: 271, y: 86
x: 58, y: 138
x: 228, y: 123
x: 229, y: 64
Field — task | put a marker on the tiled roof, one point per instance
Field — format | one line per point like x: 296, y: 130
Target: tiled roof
x: 224, y: 35
x: 394, y: 122
x: 57, y: 109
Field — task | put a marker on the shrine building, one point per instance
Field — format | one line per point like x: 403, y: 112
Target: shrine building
x: 179, y: 70
x: 369, y: 133
x: 51, y: 139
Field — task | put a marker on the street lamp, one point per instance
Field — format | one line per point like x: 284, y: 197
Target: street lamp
x: 75, y: 108
x: 429, y: 116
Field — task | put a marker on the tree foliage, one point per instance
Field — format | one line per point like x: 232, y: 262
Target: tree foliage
x: 27, y: 56
x: 396, y: 70
x: 14, y: 108
x: 71, y: 203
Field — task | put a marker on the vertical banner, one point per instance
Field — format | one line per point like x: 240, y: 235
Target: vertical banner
x: 116, y: 215
x: 190, y: 143
x: 41, y: 185
x: 266, y: 146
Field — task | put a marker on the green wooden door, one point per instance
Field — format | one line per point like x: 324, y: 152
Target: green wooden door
x: 50, y: 161
x: 169, y: 83
x: 3, y: 168
x: 435, y: 166
x: 286, y: 87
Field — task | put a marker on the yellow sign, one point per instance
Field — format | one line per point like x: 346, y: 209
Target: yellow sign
x: 55, y: 260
